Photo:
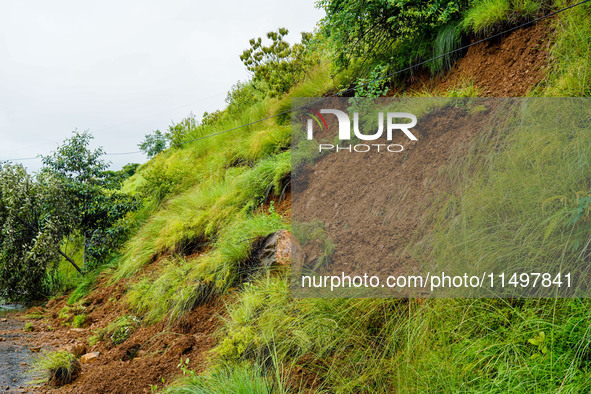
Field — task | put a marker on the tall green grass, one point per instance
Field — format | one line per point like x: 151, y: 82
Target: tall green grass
x: 504, y: 216
x: 239, y: 380
x: 201, y: 212
x: 182, y: 283
x: 570, y: 65
x: 516, y: 190
x: 489, y: 16
x: 448, y: 39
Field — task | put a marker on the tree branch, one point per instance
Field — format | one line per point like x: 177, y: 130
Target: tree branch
x: 70, y: 260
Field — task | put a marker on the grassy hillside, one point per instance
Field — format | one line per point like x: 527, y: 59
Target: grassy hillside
x: 207, y: 199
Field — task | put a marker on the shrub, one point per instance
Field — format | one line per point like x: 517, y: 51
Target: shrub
x: 153, y: 143
x: 79, y: 321
x: 177, y: 132
x: 241, y: 96
x: 162, y: 180
x: 118, y: 331
x: 243, y: 379
x: 33, y: 217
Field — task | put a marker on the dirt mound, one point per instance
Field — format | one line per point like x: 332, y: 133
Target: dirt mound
x: 149, y: 358
x: 507, y: 66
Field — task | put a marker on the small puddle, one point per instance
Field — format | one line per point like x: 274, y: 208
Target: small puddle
x: 15, y: 357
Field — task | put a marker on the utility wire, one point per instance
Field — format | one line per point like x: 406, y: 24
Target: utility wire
x: 360, y: 85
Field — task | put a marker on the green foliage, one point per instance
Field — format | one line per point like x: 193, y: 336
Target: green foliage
x: 96, y: 208
x: 315, y: 231
x: 34, y: 217
x: 162, y: 180
x: 177, y: 132
x: 153, y: 143
x: 28, y: 327
x: 79, y: 321
x: 464, y: 89
x: 35, y: 315
x: 241, y: 96
x: 201, y: 212
x: 449, y: 38
x: 387, y: 346
x: 56, y: 368
x: 278, y: 66
x: 373, y: 86
x: 369, y: 30
x: 65, y: 313
x: 72, y: 315
x: 184, y: 283
x: 490, y: 16
x: 83, y: 287
x: 505, y: 218
x: 570, y: 68
x: 128, y: 170
x: 118, y: 331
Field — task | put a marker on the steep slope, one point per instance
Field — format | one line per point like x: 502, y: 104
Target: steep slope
x: 510, y: 66
x: 191, y: 255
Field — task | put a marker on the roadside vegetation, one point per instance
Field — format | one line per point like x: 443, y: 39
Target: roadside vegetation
x: 56, y: 368
x: 192, y: 213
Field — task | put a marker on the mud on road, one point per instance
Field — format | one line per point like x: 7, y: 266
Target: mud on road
x: 15, y: 356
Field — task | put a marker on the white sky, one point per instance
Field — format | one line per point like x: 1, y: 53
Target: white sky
x: 121, y: 69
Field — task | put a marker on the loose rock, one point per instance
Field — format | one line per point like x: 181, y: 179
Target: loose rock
x: 89, y: 357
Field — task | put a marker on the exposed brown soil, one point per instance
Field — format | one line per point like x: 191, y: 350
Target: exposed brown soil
x: 372, y: 204
x: 508, y: 66
x: 281, y: 204
x: 398, y: 192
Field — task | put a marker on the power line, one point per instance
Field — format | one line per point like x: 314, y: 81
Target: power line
x: 360, y: 85
x: 22, y: 159
x: 38, y: 157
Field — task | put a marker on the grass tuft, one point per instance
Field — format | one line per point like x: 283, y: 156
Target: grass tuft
x: 56, y: 368
x: 243, y: 379
x: 491, y: 16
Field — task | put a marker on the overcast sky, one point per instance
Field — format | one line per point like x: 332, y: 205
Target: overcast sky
x: 121, y: 69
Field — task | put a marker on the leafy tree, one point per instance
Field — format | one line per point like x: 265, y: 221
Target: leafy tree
x: 278, y: 66
x: 128, y: 170
x: 153, y: 143
x: 369, y: 29
x: 34, y: 217
x: 211, y: 118
x: 91, y: 192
